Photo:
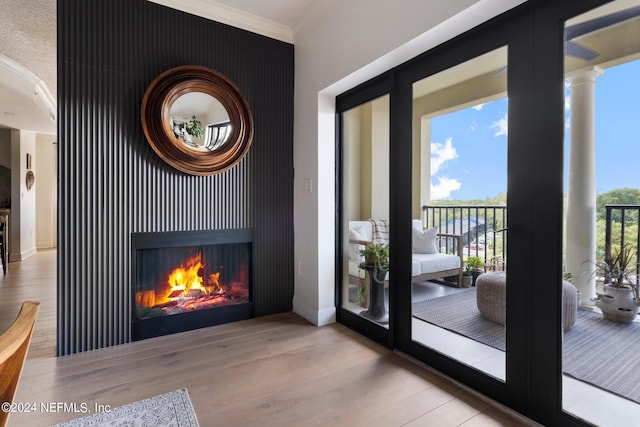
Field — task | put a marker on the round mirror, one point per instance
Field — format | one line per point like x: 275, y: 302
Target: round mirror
x: 197, y: 120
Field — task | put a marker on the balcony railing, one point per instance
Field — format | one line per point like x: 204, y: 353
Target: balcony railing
x: 621, y: 229
x: 481, y: 228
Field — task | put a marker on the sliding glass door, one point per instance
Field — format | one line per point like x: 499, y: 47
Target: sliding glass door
x: 458, y: 284
x: 364, y: 282
x: 601, y: 374
x: 471, y: 143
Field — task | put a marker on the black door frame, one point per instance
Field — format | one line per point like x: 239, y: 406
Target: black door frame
x: 533, y: 33
x: 368, y: 91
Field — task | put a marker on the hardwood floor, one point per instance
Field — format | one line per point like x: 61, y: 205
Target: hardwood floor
x: 270, y: 371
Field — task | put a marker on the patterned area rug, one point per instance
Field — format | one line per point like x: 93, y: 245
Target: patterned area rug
x: 172, y: 409
x: 595, y: 350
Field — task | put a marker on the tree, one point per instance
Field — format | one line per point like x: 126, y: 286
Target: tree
x: 619, y: 196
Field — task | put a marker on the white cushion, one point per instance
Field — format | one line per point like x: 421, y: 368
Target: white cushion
x: 416, y: 268
x: 431, y: 263
x: 424, y: 242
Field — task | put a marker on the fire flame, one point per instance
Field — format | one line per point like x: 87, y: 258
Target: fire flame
x: 187, y: 289
x: 188, y: 277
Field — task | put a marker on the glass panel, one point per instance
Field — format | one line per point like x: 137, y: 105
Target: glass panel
x: 601, y: 329
x: 365, y: 191
x: 459, y: 204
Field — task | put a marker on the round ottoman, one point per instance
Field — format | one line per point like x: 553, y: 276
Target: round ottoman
x: 491, y: 298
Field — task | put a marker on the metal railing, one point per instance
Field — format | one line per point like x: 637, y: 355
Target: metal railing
x: 482, y: 229
x: 620, y: 221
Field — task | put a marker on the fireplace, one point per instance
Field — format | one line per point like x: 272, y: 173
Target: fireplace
x: 188, y: 280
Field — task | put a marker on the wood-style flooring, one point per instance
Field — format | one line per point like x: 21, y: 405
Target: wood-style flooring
x: 270, y: 371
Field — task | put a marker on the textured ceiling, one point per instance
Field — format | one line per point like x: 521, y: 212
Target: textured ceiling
x: 28, y: 36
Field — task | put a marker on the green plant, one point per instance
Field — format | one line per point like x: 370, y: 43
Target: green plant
x: 473, y: 263
x: 376, y: 254
x: 194, y: 127
x: 363, y: 291
x: 618, y: 267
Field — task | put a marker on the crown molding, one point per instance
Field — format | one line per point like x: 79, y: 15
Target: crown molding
x: 22, y: 80
x: 231, y: 16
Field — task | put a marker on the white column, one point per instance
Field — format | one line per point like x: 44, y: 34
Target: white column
x: 581, y: 198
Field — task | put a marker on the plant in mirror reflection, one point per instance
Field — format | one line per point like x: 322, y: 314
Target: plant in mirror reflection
x: 194, y: 128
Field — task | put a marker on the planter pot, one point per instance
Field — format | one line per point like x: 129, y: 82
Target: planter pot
x: 377, y: 311
x: 467, y: 281
x: 617, y: 304
x: 474, y: 275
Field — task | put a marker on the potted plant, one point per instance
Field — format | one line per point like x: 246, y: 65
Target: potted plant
x: 194, y: 128
x: 376, y: 262
x: 376, y: 254
x: 619, y: 302
x: 475, y: 265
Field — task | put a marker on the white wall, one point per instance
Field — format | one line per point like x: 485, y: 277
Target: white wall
x: 380, y: 158
x: 23, y: 202
x: 343, y: 43
x: 46, y: 191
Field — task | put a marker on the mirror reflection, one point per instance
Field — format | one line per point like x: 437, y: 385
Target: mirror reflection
x: 200, y: 121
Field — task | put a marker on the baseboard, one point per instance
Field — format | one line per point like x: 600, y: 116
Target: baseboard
x: 313, y: 315
x: 21, y: 256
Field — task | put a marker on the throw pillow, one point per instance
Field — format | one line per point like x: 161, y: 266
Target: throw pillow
x: 424, y: 242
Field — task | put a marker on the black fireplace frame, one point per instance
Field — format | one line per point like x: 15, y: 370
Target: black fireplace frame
x: 165, y: 325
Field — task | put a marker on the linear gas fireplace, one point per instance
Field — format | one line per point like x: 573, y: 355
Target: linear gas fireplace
x: 189, y: 280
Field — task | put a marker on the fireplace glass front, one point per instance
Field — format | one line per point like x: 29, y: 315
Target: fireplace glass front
x: 178, y: 288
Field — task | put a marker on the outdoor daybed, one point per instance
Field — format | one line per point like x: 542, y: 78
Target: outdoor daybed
x: 427, y: 261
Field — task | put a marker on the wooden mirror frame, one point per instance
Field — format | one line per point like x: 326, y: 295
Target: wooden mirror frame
x: 156, y: 119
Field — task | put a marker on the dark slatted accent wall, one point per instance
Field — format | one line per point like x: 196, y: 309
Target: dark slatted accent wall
x: 112, y: 184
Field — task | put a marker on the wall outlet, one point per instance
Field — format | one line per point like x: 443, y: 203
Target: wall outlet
x: 308, y: 185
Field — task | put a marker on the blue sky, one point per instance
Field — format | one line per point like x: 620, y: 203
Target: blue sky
x: 469, y: 147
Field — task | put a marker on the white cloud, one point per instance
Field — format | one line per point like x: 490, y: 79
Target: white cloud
x: 441, y: 153
x: 444, y: 188
x: 501, y: 126
x: 478, y: 107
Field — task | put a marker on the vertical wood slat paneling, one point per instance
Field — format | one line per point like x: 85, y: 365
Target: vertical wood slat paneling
x: 112, y: 184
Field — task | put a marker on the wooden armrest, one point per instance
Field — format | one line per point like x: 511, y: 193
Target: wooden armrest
x: 14, y: 344
x: 458, y: 238
x: 449, y: 235
x: 359, y: 242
